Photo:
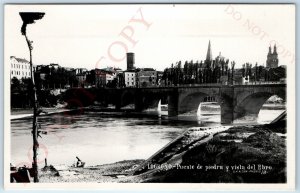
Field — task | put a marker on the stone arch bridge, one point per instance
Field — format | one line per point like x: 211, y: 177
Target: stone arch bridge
x: 235, y: 100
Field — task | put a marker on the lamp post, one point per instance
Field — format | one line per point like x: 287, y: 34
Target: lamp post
x: 29, y: 18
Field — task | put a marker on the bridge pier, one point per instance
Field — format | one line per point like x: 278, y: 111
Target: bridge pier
x: 118, y: 100
x: 173, y: 99
x: 138, y: 101
x: 227, y: 103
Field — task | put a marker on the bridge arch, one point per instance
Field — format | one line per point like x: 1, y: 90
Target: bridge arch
x: 127, y: 97
x: 191, y: 102
x: 151, y: 100
x: 251, y: 104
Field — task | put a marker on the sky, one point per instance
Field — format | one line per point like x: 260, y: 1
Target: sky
x: 97, y: 36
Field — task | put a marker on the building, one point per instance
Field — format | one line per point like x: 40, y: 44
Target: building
x: 146, y: 77
x: 272, y: 58
x: 220, y: 57
x: 19, y: 68
x: 55, y: 66
x: 159, y: 78
x: 129, y: 75
x: 80, y: 70
x: 81, y: 78
x: 221, y: 62
x: 104, y: 76
x: 130, y: 61
x: 130, y: 78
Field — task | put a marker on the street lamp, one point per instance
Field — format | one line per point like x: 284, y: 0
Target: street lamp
x: 29, y: 18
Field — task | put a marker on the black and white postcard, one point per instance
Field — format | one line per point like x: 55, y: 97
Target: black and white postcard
x: 138, y: 96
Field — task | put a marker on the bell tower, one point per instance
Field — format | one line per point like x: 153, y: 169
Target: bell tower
x: 272, y: 58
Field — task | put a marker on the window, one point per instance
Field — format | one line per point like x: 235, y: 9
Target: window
x: 132, y: 78
x: 12, y: 72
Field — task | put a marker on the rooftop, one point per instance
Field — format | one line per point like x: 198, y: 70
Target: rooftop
x: 19, y: 59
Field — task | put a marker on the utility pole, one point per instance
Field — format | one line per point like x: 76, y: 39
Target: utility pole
x: 29, y: 18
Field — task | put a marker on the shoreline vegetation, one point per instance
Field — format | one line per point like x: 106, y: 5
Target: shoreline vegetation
x: 226, y: 154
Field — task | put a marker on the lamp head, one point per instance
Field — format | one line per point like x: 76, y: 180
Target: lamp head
x: 29, y: 18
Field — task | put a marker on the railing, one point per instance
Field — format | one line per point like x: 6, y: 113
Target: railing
x: 262, y: 83
x: 204, y: 84
x: 213, y: 84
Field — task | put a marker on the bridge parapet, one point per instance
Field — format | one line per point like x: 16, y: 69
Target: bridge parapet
x: 235, y: 100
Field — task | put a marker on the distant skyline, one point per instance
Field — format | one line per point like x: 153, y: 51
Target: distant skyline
x: 90, y: 36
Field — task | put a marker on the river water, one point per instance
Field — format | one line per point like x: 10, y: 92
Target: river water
x: 100, y: 138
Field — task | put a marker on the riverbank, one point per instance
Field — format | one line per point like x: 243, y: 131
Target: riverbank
x: 239, y: 154
x: 94, y: 174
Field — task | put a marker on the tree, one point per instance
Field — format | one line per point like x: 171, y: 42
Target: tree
x: 197, y: 72
x: 256, y: 72
x: 260, y: 72
x: 15, y: 85
x: 179, y: 73
x: 165, y: 76
x: 243, y: 70
x: 185, y: 72
x: 232, y: 73
x: 250, y: 72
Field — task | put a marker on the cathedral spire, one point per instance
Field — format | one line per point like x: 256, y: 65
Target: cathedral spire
x: 209, y: 54
x: 270, y: 51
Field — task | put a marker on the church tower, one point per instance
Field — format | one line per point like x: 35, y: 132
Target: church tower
x: 272, y: 58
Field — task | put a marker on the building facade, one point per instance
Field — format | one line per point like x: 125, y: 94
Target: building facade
x: 19, y: 68
x: 130, y: 78
x: 146, y: 77
x: 104, y: 76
